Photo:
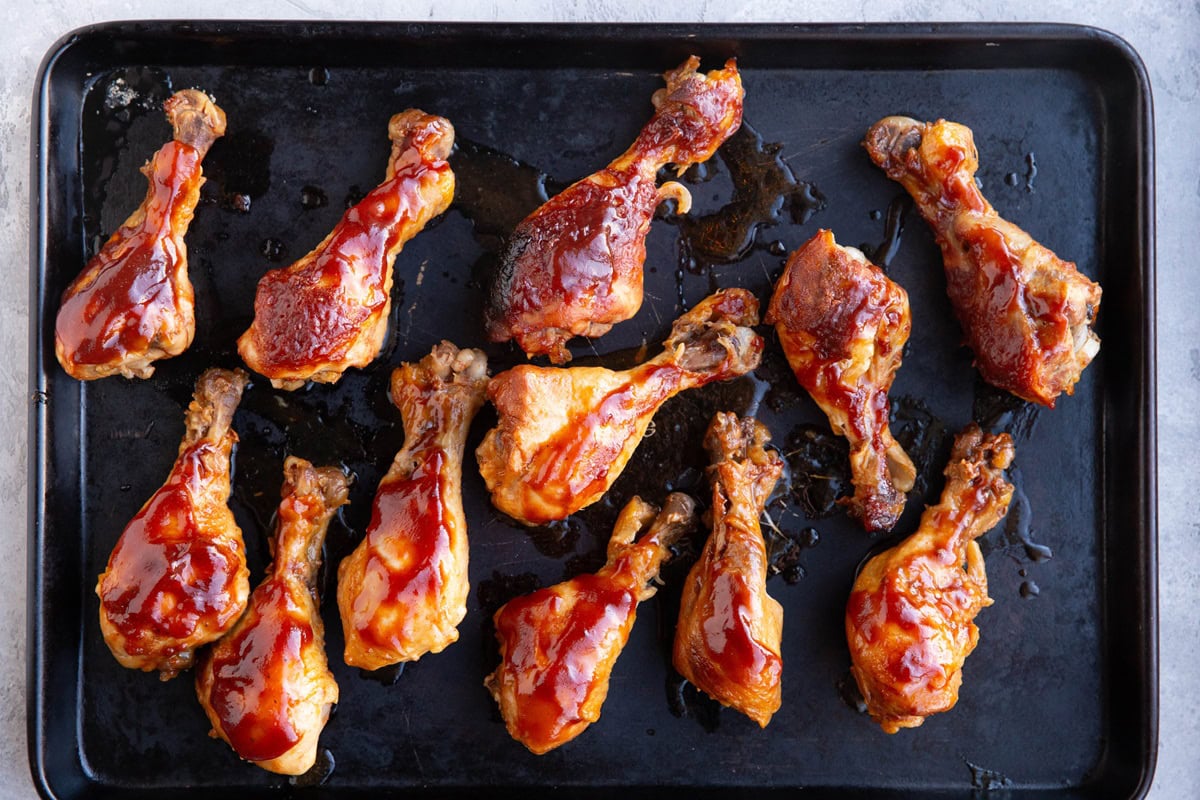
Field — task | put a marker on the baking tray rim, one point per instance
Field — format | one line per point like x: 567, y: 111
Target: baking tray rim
x: 1147, y: 658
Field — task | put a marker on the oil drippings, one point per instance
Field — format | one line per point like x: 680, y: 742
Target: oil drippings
x: 893, y: 227
x: 986, y: 779
x: 237, y: 169
x: 820, y: 465
x: 311, y: 197
x: 495, y: 191
x: 114, y: 102
x: 996, y: 410
x: 1029, y: 589
x: 320, y: 771
x: 384, y: 676
x: 354, y: 196
x: 1031, y: 171
x: 272, y: 426
x: 784, y: 548
x: 556, y: 539
x: 318, y: 76
x: 847, y: 689
x: 684, y: 700
x: 764, y: 188
x: 924, y: 437
x: 272, y: 250
x: 1015, y: 535
x: 782, y: 390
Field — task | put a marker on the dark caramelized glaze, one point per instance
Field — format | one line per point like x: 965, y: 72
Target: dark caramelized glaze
x: 1027, y: 314
x: 843, y: 325
x: 122, y: 308
x: 328, y: 311
x: 173, y: 578
x: 251, y: 665
x: 303, y: 316
x: 574, y: 266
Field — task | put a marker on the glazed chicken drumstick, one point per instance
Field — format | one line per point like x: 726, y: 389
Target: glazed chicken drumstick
x: 177, y: 577
x: 328, y: 311
x: 266, y: 685
x: 910, y: 619
x: 1027, y: 313
x: 730, y: 630
x: 564, y: 435
x: 574, y: 266
x: 133, y: 303
x: 843, y: 326
x: 403, y: 590
x: 559, y: 644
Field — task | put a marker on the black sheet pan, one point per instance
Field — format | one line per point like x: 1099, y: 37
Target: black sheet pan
x: 1059, y: 698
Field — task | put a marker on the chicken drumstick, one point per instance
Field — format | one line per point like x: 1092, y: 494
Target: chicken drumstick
x: 133, y: 303
x: 559, y: 644
x: 266, y: 685
x: 843, y: 326
x: 564, y: 435
x: 403, y: 590
x: 574, y: 266
x: 328, y: 312
x: 910, y: 618
x: 1027, y: 313
x: 177, y: 577
x: 728, y: 638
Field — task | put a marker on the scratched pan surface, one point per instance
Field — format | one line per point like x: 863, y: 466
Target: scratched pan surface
x: 1059, y: 698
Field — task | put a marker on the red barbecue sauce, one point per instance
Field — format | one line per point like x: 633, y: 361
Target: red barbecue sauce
x: 122, y: 310
x: 166, y: 576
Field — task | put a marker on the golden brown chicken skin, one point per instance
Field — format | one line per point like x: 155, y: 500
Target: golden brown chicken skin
x: 177, y: 577
x: 910, y: 619
x: 559, y: 644
x: 1027, y: 314
x: 574, y: 266
x: 403, y: 590
x: 133, y: 302
x: 328, y: 311
x: 266, y: 685
x: 843, y: 325
x: 564, y: 435
x: 730, y: 630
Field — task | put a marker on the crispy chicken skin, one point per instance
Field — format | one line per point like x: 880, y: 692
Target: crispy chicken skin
x: 843, y: 325
x: 1027, y: 313
x: 403, y: 590
x: 559, y: 644
x: 266, y: 685
x: 328, y: 311
x: 177, y: 577
x: 910, y: 619
x: 728, y: 638
x: 133, y: 302
x: 564, y: 435
x: 574, y: 266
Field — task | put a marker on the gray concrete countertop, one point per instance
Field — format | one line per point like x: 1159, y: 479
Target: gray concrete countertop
x: 1165, y: 32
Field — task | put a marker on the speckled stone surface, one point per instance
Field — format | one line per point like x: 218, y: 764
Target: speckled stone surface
x: 1165, y: 32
